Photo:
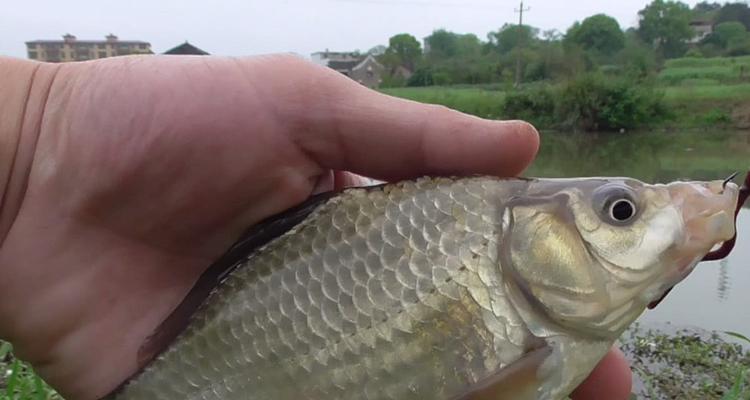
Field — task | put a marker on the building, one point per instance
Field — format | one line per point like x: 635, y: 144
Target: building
x: 325, y: 57
x: 72, y: 49
x: 186, y: 49
x: 364, y: 69
x: 701, y: 30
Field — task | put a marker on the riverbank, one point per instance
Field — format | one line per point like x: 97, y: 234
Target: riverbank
x: 696, y: 105
x: 685, y: 93
x: 672, y: 363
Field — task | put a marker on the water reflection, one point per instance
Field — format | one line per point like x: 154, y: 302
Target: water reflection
x: 653, y: 157
x: 704, y: 299
x: 722, y: 290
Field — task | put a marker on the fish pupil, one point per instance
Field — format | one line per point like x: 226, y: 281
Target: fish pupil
x: 622, y: 210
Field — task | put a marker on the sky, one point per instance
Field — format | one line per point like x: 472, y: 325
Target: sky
x: 250, y: 27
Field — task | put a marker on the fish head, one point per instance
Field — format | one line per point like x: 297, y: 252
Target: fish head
x: 591, y: 254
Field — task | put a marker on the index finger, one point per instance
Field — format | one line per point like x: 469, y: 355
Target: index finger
x: 345, y: 126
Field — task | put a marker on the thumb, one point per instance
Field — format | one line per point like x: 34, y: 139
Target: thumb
x: 345, y: 126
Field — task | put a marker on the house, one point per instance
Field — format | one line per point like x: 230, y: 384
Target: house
x: 324, y: 57
x: 186, y: 49
x: 364, y: 69
x: 701, y: 30
x: 72, y: 49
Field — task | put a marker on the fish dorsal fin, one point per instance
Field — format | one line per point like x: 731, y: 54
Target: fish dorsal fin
x: 253, y: 239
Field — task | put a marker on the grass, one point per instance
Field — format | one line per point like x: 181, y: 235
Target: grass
x: 18, y: 381
x: 701, y: 92
x: 472, y: 100
x: 717, y: 92
x: 721, y: 69
x: 693, y: 62
x: 687, y: 365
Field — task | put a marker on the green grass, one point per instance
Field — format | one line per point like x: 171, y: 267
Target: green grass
x: 691, y: 62
x: 704, y: 104
x: 18, y: 381
x: 708, y: 92
x: 687, y: 365
x: 479, y: 101
x: 720, y: 69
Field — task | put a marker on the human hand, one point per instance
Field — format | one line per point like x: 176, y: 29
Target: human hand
x: 131, y: 175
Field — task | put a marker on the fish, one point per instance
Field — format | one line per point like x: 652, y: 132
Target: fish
x: 437, y: 288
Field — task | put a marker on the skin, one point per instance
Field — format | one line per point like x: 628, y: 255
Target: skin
x: 122, y: 179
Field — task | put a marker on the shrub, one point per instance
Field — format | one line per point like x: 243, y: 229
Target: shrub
x: 716, y: 117
x: 421, y: 77
x: 535, y: 105
x: 594, y: 103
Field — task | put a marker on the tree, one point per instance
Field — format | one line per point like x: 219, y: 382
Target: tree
x: 739, y: 12
x: 599, y: 33
x: 468, y: 45
x: 442, y: 44
x: 706, y: 7
x: 403, y: 50
x: 510, y: 36
x: 727, y: 34
x: 666, y: 25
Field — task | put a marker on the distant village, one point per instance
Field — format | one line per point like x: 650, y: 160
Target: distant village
x: 363, y: 68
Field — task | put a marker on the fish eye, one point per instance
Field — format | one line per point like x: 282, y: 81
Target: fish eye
x: 615, y: 204
x: 622, y: 210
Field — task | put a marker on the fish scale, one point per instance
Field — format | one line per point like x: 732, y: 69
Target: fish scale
x: 434, y: 289
x: 354, y: 310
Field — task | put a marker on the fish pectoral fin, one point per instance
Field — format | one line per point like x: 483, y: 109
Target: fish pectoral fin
x: 517, y: 381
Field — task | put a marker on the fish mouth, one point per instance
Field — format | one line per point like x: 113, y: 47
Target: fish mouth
x: 709, y: 210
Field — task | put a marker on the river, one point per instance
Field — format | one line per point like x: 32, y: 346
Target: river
x: 716, y: 296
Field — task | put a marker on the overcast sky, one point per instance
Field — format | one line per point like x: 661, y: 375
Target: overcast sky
x: 235, y: 27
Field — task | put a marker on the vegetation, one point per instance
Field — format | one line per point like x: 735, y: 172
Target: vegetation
x: 596, y: 44
x: 666, y: 24
x: 688, y: 365
x: 595, y: 76
x: 18, y: 381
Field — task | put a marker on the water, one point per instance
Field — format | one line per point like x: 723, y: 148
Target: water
x: 716, y: 296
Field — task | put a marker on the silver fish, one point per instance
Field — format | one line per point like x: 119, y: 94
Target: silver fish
x: 438, y: 288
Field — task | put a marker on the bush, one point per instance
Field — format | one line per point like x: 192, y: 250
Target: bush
x: 716, y: 117
x: 421, y: 77
x: 596, y: 103
x: 535, y: 105
x: 694, y: 53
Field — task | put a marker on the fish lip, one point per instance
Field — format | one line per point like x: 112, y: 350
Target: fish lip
x: 708, y: 218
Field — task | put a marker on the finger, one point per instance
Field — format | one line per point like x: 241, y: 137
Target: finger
x: 345, y: 126
x: 611, y: 379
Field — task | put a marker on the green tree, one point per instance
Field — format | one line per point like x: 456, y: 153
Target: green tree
x: 442, y: 44
x: 727, y: 34
x: 666, y: 25
x: 705, y: 6
x: 739, y: 12
x: 469, y: 45
x: 511, y: 36
x: 403, y: 50
x: 637, y: 59
x: 599, y: 33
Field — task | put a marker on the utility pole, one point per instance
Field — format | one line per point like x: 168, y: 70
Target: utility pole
x: 519, y: 46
